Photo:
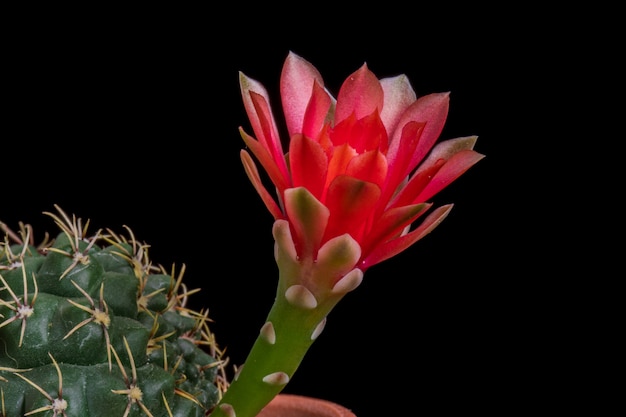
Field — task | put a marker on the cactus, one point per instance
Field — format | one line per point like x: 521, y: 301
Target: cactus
x: 89, y: 327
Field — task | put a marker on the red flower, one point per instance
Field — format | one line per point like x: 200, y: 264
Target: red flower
x: 364, y: 164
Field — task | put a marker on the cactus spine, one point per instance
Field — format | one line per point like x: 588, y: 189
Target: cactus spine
x: 89, y: 327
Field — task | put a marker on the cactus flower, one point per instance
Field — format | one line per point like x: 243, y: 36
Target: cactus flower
x: 352, y: 189
x: 364, y: 164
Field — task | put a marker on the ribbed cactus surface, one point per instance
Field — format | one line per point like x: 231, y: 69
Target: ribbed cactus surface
x: 89, y: 327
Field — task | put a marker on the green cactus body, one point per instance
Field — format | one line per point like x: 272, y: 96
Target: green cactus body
x: 90, y: 328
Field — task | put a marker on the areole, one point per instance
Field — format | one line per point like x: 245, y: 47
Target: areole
x: 290, y: 405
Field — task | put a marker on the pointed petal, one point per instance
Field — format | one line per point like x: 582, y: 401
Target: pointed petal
x: 362, y: 134
x: 399, y: 166
x: 370, y: 166
x: 253, y: 174
x: 450, y: 171
x: 391, y: 224
x: 267, y: 162
x: 308, y: 163
x: 296, y: 86
x: 447, y: 148
x: 394, y: 247
x: 409, y: 140
x: 350, y: 201
x: 248, y: 86
x: 360, y: 94
x: 309, y: 219
x: 409, y: 193
x: 271, y: 139
x: 369, y: 133
x: 431, y: 109
x: 338, y: 163
x: 399, y: 95
x: 317, y: 112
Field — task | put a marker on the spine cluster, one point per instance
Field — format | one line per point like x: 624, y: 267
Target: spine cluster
x: 90, y: 327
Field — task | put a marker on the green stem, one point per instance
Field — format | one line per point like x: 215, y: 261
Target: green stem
x: 294, y: 328
x: 308, y: 289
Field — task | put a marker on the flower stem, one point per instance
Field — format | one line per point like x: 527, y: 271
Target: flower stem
x: 283, y: 341
x: 307, y: 291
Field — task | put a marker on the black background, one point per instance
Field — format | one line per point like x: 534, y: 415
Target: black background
x: 133, y: 121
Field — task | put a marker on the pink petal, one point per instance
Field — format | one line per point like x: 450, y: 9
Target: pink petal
x: 394, y: 247
x: 409, y: 192
x: 270, y: 134
x: 369, y: 133
x: 450, y: 171
x: 342, y: 132
x: 351, y: 202
x: 255, y: 179
x: 391, y: 224
x: 362, y: 134
x: 317, y: 112
x: 360, y: 94
x: 267, y: 162
x: 296, y: 86
x: 398, y: 167
x: 370, y: 166
x: 431, y: 109
x: 309, y: 164
x: 447, y: 148
x: 399, y: 95
x: 248, y: 86
x: 339, y: 160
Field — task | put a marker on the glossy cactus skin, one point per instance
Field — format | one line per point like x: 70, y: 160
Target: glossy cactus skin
x: 89, y: 327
